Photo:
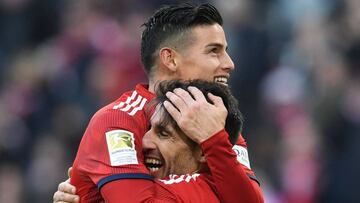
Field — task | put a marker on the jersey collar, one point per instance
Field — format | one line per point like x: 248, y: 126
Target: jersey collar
x: 142, y: 89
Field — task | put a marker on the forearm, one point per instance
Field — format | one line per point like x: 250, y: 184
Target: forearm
x: 230, y: 178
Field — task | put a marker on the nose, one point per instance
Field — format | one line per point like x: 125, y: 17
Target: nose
x: 227, y: 63
x: 147, y: 141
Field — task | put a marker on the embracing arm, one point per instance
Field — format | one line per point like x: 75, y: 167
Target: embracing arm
x: 127, y: 190
x: 109, y: 162
x: 231, y: 180
x: 66, y: 193
x: 204, y: 123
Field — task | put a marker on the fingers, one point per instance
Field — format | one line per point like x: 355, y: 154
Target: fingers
x: 184, y: 95
x: 196, y: 117
x: 177, y: 99
x: 218, y: 102
x: 61, y: 197
x: 198, y: 95
x: 69, y: 172
x: 174, y: 112
x: 66, y: 192
x: 66, y: 187
x: 181, y: 98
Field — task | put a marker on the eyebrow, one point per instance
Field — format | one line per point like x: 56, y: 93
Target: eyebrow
x: 215, y: 44
x: 160, y: 127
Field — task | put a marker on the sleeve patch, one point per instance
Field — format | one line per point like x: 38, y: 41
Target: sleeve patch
x: 121, y: 147
x: 242, y: 155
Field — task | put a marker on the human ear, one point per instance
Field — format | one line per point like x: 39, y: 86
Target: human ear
x: 168, y: 58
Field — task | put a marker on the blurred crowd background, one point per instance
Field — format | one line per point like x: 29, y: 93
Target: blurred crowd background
x: 297, y: 79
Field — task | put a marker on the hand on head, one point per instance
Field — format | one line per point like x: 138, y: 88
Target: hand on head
x: 195, y: 116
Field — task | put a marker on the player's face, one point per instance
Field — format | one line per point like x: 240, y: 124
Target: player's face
x: 168, y: 151
x: 206, y: 57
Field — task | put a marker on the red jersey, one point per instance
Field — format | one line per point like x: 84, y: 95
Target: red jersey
x: 111, y: 147
x: 235, y: 186
x: 111, y: 150
x: 186, y: 188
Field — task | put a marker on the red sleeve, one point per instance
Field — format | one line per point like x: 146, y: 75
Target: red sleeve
x: 240, y: 149
x: 135, y: 191
x: 111, y: 145
x: 109, y: 150
x: 231, y: 180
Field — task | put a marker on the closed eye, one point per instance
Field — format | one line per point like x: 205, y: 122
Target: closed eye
x: 162, y: 133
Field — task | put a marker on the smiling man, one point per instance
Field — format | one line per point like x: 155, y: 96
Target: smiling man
x: 185, y: 165
x: 169, y: 152
x: 179, y: 42
x: 167, y: 149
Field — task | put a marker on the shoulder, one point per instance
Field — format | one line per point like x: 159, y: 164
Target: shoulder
x: 127, y: 112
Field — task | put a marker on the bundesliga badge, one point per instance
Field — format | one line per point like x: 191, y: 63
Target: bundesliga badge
x: 121, y: 147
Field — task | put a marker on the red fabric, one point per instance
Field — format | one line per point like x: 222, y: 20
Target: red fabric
x: 235, y: 186
x: 241, y: 141
x: 92, y: 162
x: 228, y: 183
x: 133, y: 191
x: 185, y: 188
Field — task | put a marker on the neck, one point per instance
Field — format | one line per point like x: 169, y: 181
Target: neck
x: 156, y: 79
x: 151, y: 86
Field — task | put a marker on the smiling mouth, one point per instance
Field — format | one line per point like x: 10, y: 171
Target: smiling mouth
x: 221, y: 79
x: 153, y: 164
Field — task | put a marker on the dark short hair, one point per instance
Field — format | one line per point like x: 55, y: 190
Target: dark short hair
x: 234, y: 119
x: 170, y: 21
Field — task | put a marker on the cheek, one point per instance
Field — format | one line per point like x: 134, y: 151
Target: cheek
x: 209, y: 64
x: 185, y: 162
x: 201, y: 70
x: 201, y: 63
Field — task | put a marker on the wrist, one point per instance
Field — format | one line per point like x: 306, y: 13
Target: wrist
x: 214, y: 137
x: 206, y: 135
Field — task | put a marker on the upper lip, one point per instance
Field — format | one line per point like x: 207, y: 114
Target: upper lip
x: 226, y: 76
